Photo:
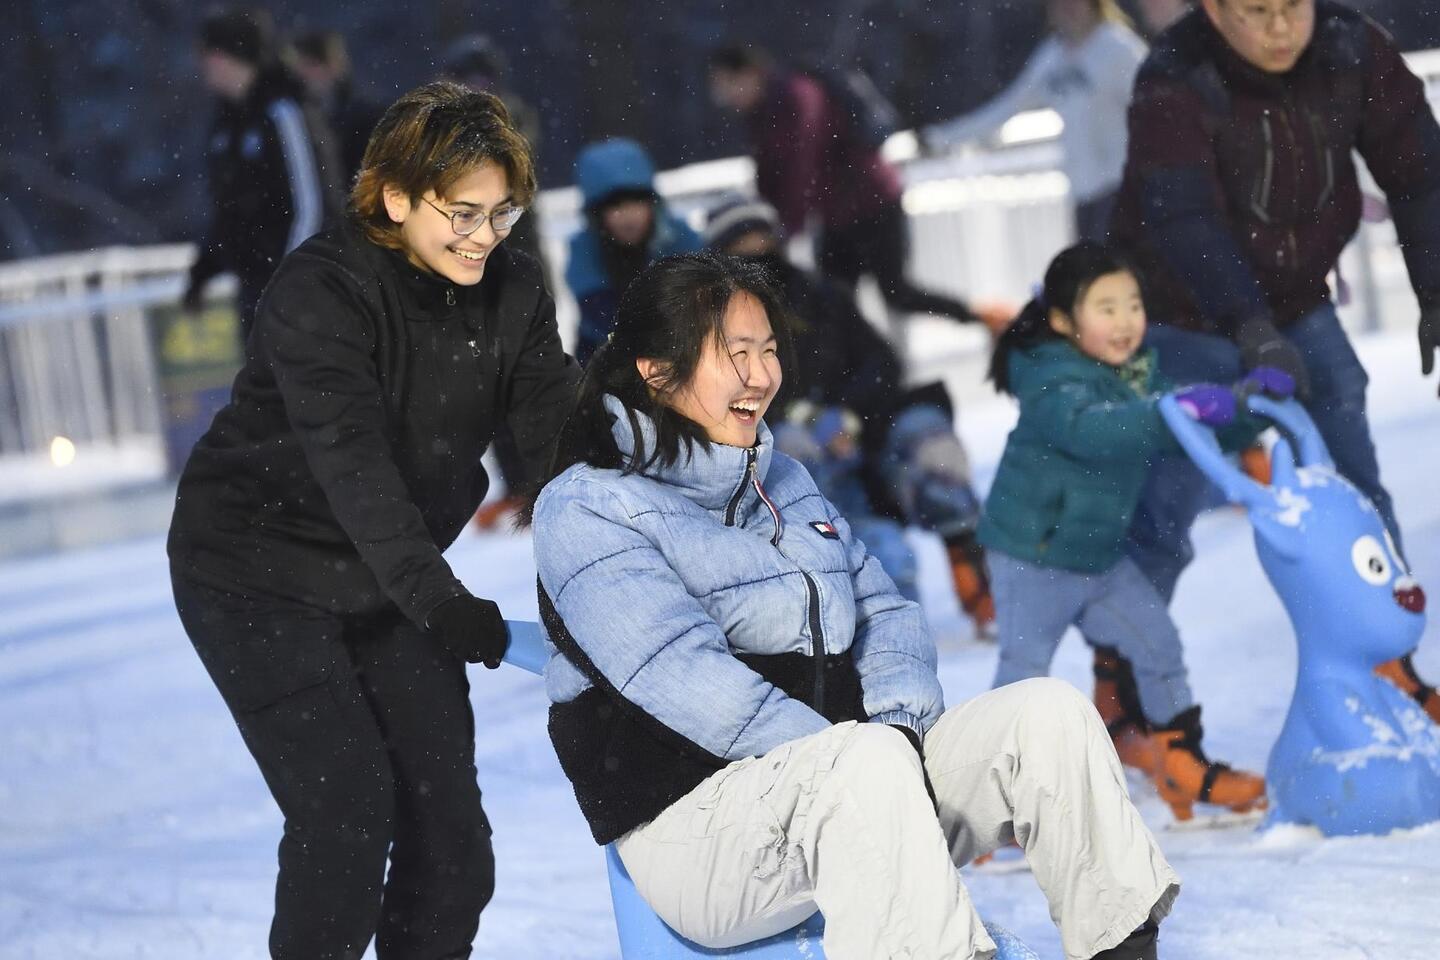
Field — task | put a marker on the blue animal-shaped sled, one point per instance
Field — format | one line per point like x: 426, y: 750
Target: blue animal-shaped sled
x: 1355, y: 756
x: 643, y: 935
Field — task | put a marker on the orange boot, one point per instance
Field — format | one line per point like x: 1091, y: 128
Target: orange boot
x: 1256, y: 464
x: 1119, y: 705
x: 972, y: 586
x: 1402, y: 673
x: 1187, y: 776
x: 492, y: 514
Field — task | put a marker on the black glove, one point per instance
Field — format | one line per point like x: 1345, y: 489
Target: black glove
x: 1429, y: 339
x: 470, y: 628
x: 1263, y: 345
x: 915, y: 742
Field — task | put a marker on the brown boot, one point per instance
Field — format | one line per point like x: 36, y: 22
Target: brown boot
x: 1119, y: 705
x: 972, y: 586
x: 1402, y: 673
x: 1256, y: 464
x: 1187, y: 776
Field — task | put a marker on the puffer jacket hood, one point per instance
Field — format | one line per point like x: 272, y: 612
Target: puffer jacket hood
x: 613, y: 166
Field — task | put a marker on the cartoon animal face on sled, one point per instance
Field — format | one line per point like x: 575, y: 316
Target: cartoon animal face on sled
x: 1355, y: 755
x: 1321, y: 541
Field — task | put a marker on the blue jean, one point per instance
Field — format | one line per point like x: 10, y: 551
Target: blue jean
x: 1175, y: 491
x: 1116, y: 608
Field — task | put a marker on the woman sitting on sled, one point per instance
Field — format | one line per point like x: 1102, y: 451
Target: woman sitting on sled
x: 746, y: 706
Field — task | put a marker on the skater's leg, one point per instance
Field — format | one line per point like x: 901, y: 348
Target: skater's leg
x: 285, y: 675
x: 442, y: 868
x: 1128, y: 615
x: 1033, y: 607
x: 1337, y: 405
x: 1032, y: 762
x: 1175, y: 490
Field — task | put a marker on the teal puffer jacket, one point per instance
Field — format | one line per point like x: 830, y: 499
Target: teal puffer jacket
x: 1073, y: 468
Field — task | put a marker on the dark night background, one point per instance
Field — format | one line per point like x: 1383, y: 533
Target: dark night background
x: 100, y: 135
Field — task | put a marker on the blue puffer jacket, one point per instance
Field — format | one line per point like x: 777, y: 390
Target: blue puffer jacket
x: 691, y: 607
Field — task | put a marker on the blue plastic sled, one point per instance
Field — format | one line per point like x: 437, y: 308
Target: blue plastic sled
x: 1355, y: 755
x: 643, y: 935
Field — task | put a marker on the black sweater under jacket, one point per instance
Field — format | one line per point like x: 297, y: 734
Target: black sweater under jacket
x: 348, y: 457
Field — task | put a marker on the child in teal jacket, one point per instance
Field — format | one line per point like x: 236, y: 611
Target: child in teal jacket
x: 1063, y: 497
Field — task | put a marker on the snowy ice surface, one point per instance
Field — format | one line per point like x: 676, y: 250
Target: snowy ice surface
x: 133, y: 824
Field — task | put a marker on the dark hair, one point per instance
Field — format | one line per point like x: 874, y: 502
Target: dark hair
x: 324, y: 46
x: 734, y: 57
x: 1067, y: 280
x: 668, y: 313
x: 428, y: 139
x: 475, y: 53
x: 245, y: 33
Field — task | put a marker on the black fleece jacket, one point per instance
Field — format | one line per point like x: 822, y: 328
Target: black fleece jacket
x: 348, y: 457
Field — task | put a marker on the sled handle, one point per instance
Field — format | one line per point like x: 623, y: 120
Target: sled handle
x: 527, y: 646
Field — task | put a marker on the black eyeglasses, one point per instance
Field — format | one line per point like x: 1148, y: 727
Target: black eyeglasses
x: 467, y: 221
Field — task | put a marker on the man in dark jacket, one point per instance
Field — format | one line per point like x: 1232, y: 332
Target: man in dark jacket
x: 272, y: 171
x: 811, y: 160
x: 1240, y: 193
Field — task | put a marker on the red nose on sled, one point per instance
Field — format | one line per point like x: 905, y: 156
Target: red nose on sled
x: 1410, y: 596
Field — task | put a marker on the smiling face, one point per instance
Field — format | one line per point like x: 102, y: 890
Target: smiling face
x: 734, y: 382
x: 1109, y: 321
x: 427, y: 237
x: 1269, y: 34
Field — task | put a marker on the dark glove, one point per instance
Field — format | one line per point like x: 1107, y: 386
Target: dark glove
x: 1209, y: 403
x: 1263, y: 345
x: 915, y: 742
x: 471, y: 629
x: 1429, y: 339
x: 1267, y: 380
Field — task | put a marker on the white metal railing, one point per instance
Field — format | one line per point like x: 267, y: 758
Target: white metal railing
x: 77, y: 358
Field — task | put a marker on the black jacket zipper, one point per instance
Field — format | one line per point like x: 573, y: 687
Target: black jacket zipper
x: 817, y: 644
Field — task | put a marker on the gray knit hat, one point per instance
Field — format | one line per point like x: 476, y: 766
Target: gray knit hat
x: 736, y: 216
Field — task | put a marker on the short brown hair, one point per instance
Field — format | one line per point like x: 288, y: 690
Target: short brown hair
x: 428, y: 139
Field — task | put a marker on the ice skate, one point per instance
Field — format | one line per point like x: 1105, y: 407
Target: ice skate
x: 1118, y: 703
x: 1187, y: 776
x: 1401, y: 672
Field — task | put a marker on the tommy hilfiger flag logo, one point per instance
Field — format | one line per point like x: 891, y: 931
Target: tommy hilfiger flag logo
x: 826, y: 530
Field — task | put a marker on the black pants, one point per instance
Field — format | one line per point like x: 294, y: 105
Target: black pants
x: 364, y: 733
x: 880, y: 246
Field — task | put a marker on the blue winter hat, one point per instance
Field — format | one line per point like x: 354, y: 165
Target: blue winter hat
x: 614, y: 166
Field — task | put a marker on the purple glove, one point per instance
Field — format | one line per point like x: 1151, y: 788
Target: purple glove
x: 1211, y: 404
x: 1270, y: 381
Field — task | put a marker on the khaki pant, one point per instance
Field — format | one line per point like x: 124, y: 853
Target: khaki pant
x: 841, y: 821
